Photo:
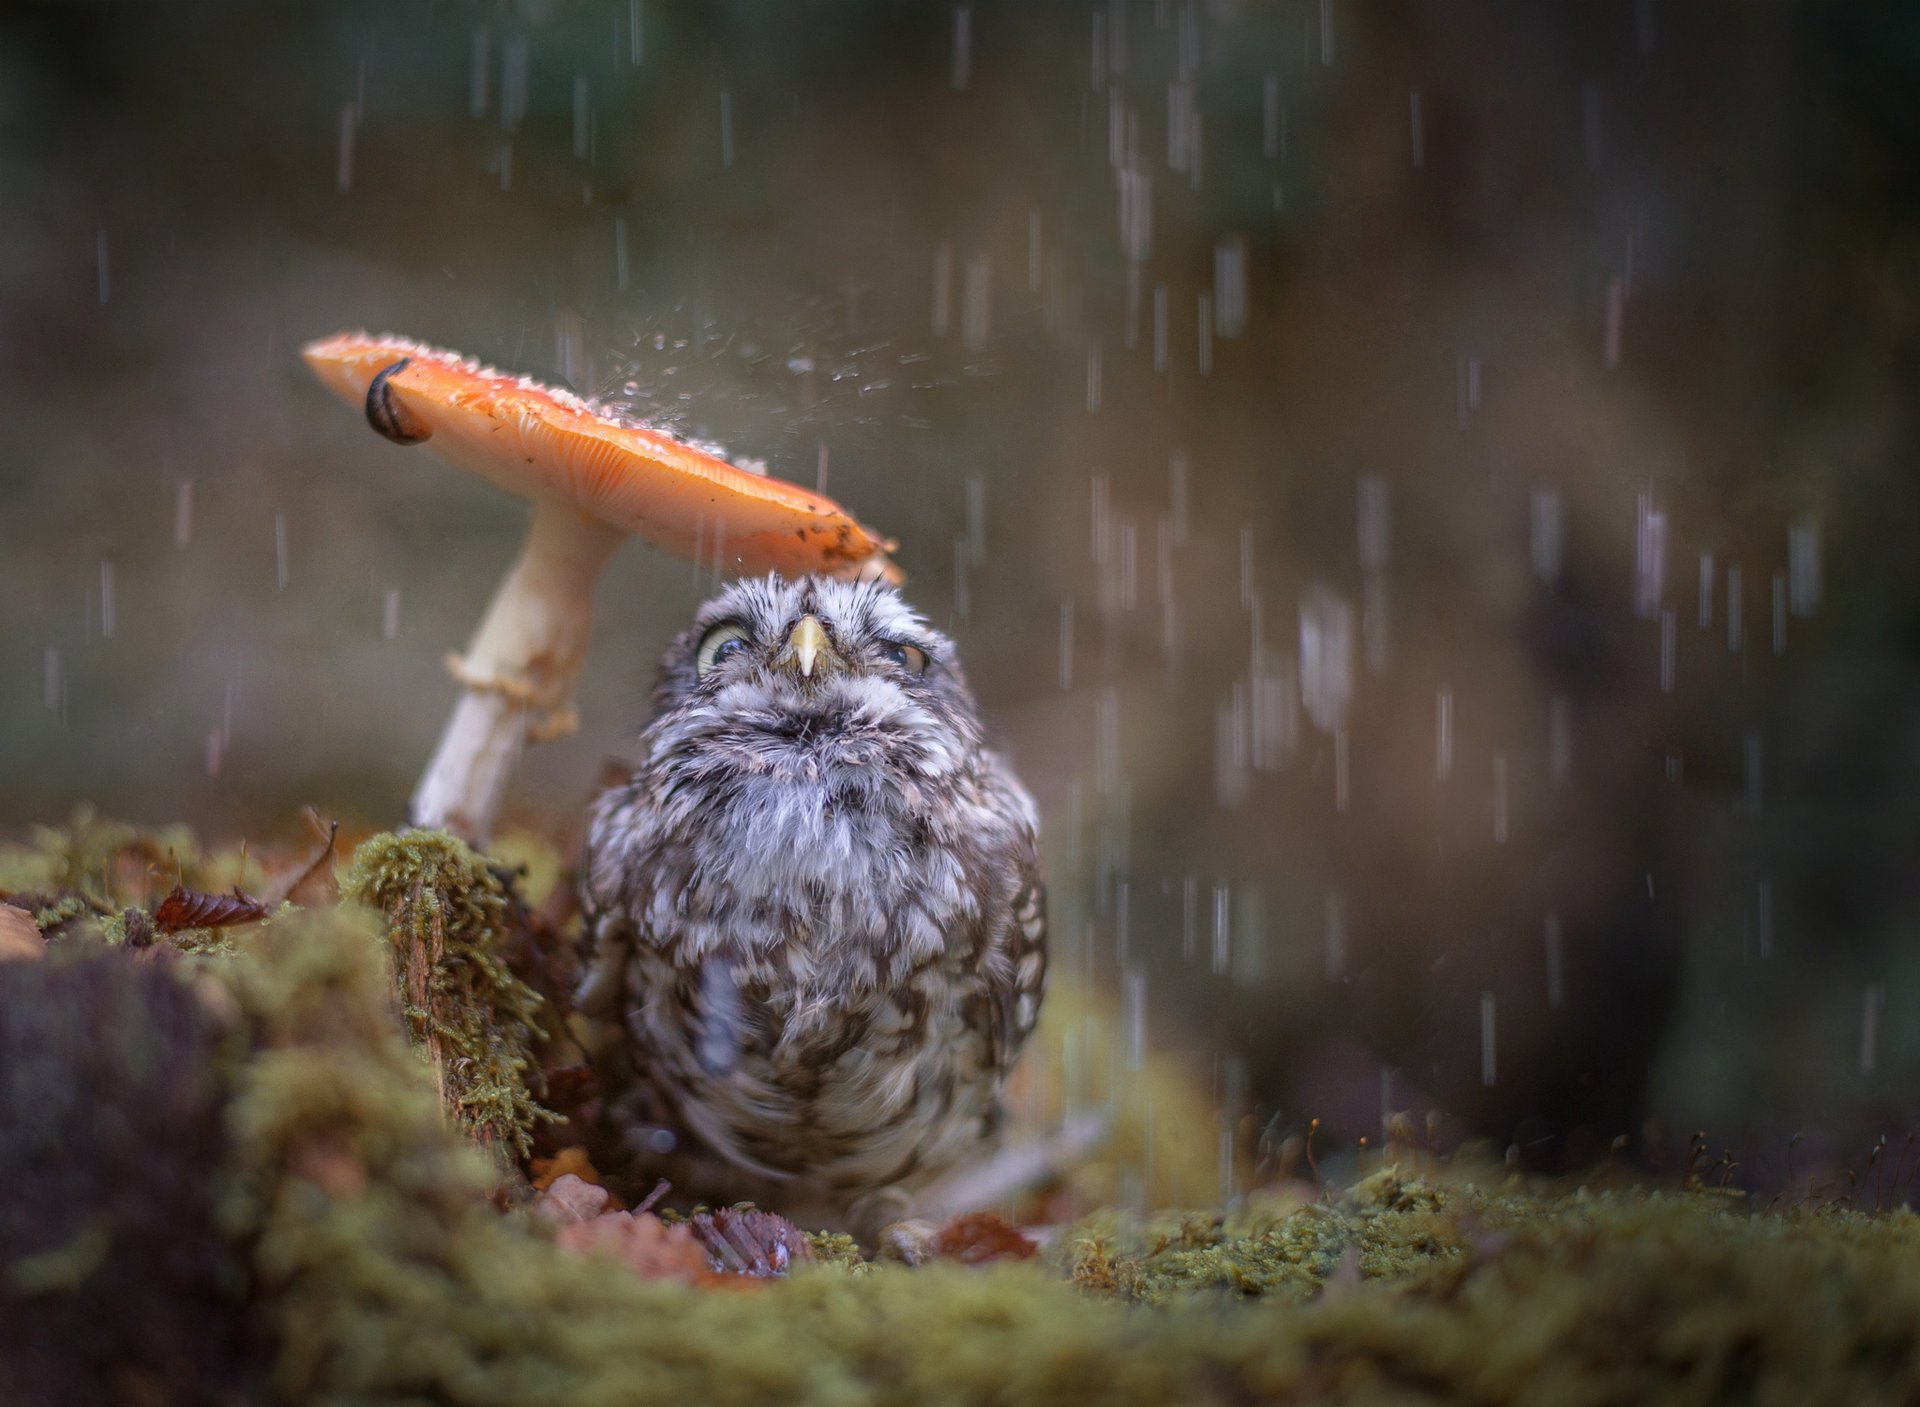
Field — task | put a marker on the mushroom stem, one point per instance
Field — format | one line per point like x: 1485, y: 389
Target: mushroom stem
x: 519, y: 673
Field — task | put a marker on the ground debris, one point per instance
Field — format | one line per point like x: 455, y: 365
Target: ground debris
x: 185, y: 908
x: 20, y: 938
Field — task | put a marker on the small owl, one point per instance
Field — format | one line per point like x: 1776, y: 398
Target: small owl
x: 817, y: 920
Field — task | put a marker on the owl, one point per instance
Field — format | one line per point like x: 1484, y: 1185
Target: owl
x: 817, y: 921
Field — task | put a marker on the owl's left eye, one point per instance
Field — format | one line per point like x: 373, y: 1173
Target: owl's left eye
x: 911, y: 658
x: 721, y: 643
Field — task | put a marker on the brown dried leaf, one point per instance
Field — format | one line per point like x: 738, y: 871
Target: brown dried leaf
x: 20, y: 936
x: 980, y: 1237
x: 644, y: 1243
x: 186, y: 908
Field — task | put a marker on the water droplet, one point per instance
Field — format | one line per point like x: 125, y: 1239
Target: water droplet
x: 962, y: 68
x: 1489, y: 1070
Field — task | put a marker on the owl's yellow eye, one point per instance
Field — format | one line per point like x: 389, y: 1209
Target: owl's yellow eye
x: 911, y: 658
x: 721, y: 643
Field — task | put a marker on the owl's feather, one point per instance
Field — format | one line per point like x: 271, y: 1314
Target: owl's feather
x: 818, y: 917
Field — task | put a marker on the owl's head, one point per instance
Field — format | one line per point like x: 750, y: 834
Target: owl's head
x: 815, y: 671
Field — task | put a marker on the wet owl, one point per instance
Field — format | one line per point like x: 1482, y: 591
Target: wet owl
x: 818, y: 934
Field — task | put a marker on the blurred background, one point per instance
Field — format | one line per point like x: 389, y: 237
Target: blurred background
x: 1425, y: 491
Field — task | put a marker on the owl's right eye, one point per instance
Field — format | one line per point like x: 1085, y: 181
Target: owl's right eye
x: 721, y: 643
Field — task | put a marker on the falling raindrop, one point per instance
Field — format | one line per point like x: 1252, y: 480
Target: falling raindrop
x: 1592, y: 134
x: 1543, y: 538
x: 1649, y: 557
x: 390, y: 614
x: 1034, y: 251
x: 1669, y: 642
x: 962, y: 48
x: 1066, y: 644
x: 636, y: 33
x: 107, y: 611
x: 183, y: 513
x: 1418, y: 128
x: 1177, y: 496
x: 1375, y: 525
x: 1488, y: 1068
x: 1871, y: 1003
x: 344, y: 160
x: 1616, y: 321
x: 1106, y: 729
x: 1500, y: 798
x: 1326, y: 656
x: 477, y: 72
x: 1556, y: 970
x: 1134, y: 1007
x: 1230, y: 286
x: 1559, y: 738
x: 1779, y: 613
x: 1336, y: 936
x: 1189, y: 916
x: 513, y: 84
x: 942, y: 288
x: 1135, y: 188
x: 1803, y: 566
x: 280, y: 549
x: 1706, y: 590
x: 726, y: 128
x: 976, y: 305
x: 1222, y: 931
x: 1443, y: 735
x: 1159, y: 327
x: 1735, y: 636
x: 1093, y: 375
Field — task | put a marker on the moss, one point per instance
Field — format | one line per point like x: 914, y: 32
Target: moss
x: 379, y: 1273
x: 108, y: 861
x: 474, y: 1020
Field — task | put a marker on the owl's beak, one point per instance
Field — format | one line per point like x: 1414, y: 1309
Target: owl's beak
x: 807, y: 644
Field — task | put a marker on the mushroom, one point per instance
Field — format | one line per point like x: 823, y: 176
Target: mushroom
x: 594, y: 480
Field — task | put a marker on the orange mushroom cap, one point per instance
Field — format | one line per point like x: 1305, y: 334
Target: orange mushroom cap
x: 539, y: 442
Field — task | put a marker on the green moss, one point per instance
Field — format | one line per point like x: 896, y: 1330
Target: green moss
x: 378, y: 1271
x: 475, y: 1021
x: 381, y: 1274
x: 108, y: 861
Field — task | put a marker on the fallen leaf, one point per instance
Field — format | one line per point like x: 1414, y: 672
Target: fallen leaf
x: 20, y: 937
x: 980, y: 1237
x: 186, y: 908
x: 643, y: 1243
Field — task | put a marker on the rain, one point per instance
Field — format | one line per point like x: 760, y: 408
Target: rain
x: 1422, y: 498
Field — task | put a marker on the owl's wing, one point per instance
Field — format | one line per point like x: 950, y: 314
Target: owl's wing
x: 1017, y: 980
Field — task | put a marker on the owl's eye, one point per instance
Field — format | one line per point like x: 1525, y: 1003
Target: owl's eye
x: 911, y: 658
x: 721, y: 643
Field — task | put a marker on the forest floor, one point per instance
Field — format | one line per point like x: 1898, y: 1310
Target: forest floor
x: 290, y: 1130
